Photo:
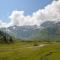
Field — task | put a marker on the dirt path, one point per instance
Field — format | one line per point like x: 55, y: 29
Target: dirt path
x: 39, y: 46
x: 42, y: 45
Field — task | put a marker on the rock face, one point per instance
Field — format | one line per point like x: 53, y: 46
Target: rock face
x: 22, y: 32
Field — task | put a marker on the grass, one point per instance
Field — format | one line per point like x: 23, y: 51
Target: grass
x: 20, y: 51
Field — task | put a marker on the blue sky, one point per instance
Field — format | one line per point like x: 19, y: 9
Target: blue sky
x: 28, y: 6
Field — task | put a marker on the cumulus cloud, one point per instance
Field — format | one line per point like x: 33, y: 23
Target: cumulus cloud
x: 2, y: 24
x: 50, y: 13
x: 18, y: 18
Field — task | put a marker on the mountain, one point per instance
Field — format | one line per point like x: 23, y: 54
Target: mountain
x: 51, y: 31
x: 22, y: 32
x: 48, y: 30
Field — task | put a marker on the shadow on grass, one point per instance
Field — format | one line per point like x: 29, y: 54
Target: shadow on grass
x: 44, y: 57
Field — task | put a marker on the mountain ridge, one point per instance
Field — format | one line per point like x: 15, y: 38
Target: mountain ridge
x: 30, y: 32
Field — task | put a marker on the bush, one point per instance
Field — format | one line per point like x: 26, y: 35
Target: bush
x: 35, y: 44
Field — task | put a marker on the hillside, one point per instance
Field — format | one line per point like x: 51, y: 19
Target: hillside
x: 50, y: 32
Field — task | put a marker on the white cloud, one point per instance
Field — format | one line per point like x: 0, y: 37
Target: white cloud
x: 18, y: 18
x: 50, y: 13
x: 2, y: 24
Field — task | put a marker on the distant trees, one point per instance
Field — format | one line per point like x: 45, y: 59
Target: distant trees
x: 5, y: 38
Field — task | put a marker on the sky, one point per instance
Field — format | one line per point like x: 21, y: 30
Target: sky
x: 28, y: 6
x: 28, y: 12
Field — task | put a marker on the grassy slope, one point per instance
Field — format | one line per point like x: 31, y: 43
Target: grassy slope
x: 19, y: 51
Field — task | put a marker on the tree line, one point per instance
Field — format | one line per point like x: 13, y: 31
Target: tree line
x: 5, y: 37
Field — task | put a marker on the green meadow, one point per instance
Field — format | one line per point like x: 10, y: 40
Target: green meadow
x: 30, y: 51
